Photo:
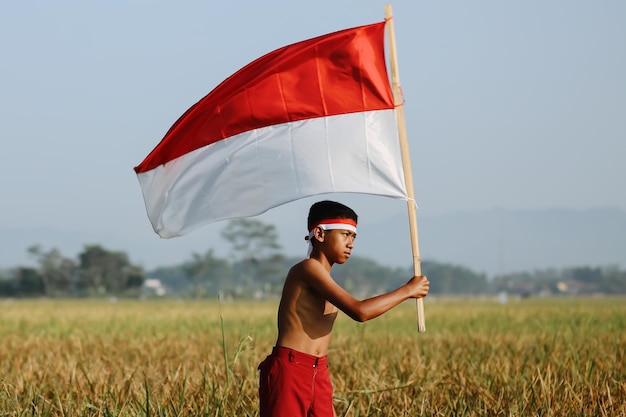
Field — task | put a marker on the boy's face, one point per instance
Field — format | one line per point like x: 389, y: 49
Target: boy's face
x: 337, y: 244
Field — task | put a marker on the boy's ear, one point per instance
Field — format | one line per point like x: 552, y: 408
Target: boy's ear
x: 319, y: 234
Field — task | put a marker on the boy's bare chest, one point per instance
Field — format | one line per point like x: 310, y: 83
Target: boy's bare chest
x: 317, y: 309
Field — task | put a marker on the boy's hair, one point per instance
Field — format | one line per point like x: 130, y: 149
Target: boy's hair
x: 329, y: 210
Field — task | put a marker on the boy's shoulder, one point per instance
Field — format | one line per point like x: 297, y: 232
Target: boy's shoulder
x: 309, y: 263
x: 306, y: 269
x: 303, y: 265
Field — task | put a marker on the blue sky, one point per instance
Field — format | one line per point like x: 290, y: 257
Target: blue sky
x: 519, y: 105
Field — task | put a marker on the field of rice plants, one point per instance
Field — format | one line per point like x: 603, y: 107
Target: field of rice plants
x: 533, y: 357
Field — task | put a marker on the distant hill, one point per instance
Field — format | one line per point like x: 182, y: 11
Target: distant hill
x: 490, y: 241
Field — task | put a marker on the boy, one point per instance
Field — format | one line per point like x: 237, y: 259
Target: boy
x: 294, y: 379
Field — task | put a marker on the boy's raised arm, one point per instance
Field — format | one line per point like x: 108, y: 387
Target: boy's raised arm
x: 321, y: 281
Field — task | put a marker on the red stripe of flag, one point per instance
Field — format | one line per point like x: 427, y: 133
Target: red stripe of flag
x: 338, y: 73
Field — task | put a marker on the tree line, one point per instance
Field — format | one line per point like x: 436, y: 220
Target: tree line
x: 95, y: 271
x: 256, y: 269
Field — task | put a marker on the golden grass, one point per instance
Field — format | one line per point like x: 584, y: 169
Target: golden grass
x: 550, y: 357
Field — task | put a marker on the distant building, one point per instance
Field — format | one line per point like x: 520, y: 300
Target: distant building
x: 153, y: 287
x: 571, y: 287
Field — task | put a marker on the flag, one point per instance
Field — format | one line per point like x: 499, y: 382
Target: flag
x: 310, y: 118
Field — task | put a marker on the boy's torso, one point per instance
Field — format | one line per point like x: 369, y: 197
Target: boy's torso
x: 305, y: 319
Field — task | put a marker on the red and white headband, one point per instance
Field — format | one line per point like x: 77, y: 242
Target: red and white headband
x: 329, y: 224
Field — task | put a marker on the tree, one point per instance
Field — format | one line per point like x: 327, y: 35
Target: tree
x: 7, y: 286
x: 103, y: 271
x: 255, y: 250
x: 56, y: 270
x: 453, y: 279
x: 207, y: 272
x: 614, y: 280
x: 28, y: 282
x: 251, y: 239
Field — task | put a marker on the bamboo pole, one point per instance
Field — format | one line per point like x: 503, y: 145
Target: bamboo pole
x: 406, y: 161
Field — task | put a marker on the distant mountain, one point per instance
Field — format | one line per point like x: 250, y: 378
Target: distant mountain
x: 489, y: 241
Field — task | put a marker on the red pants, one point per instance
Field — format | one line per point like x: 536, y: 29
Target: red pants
x: 295, y: 384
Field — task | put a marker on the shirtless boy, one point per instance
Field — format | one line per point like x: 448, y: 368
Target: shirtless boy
x: 294, y: 379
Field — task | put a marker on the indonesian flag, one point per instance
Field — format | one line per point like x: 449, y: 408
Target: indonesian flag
x: 314, y: 117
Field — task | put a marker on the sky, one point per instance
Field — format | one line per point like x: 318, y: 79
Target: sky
x: 516, y: 105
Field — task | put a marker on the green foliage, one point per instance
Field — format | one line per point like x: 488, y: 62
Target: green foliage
x: 567, y: 281
x: 98, y: 271
x: 454, y: 279
x: 56, y: 270
x: 251, y: 239
x: 208, y: 273
x: 28, y: 282
x: 257, y: 259
x: 7, y: 286
x: 106, y: 272
x: 256, y: 268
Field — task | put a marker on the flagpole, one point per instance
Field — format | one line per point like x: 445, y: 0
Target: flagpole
x: 406, y: 161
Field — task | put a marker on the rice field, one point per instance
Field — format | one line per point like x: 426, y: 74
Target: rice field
x: 534, y: 357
